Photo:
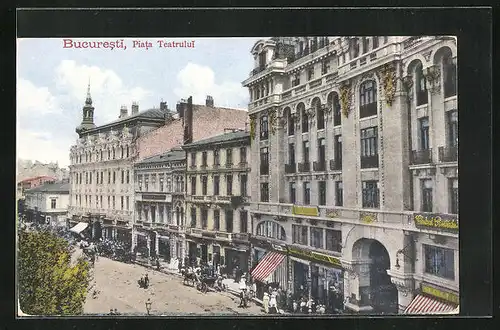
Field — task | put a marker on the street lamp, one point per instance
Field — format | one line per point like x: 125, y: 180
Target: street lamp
x: 148, y: 306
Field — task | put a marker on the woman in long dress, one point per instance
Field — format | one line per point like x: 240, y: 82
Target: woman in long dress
x: 265, y: 302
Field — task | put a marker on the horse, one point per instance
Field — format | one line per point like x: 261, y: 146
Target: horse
x: 189, y: 276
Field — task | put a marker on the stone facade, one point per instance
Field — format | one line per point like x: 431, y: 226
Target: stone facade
x: 341, y: 127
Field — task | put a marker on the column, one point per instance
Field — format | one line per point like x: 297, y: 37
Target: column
x: 157, y: 241
x: 149, y: 247
x: 114, y: 233
x: 134, y: 239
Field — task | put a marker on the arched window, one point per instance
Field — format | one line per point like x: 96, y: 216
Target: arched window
x: 290, y: 121
x: 305, y: 119
x: 320, y: 115
x: 421, y: 85
x: 450, y: 76
x: 264, y: 127
x: 368, y: 99
x: 272, y: 230
x: 334, y: 104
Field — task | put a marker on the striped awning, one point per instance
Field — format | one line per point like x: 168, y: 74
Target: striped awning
x: 425, y: 305
x: 267, y: 266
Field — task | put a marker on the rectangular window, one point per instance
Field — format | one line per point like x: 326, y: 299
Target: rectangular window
x: 109, y: 202
x: 193, y: 159
x: 216, y: 220
x: 53, y: 202
x: 100, y: 201
x: 128, y: 203
x: 307, y: 193
x: 243, y: 221
x: 322, y: 192
x: 123, y: 176
x: 193, y: 217
x: 321, y: 151
x: 339, y: 193
x: 114, y: 178
x: 291, y: 124
x: 310, y: 73
x: 370, y: 192
x: 338, y: 151
x: 204, y: 185
x: 216, y: 185
x: 369, y: 147
x: 426, y: 195
x: 109, y: 177
x: 453, y: 196
x: 264, y: 192
x: 367, y: 99
x: 439, y: 261
x: 424, y: 133
x: 333, y: 240
x: 452, y: 118
x: 264, y: 161
x: 229, y: 184
x: 229, y: 221
x: 316, y: 237
x: 146, y: 182
x: 243, y: 185
x: 305, y: 151
x: 375, y: 42
x: 86, y: 177
x: 292, y: 193
x: 299, y: 234
x: 264, y: 128
x: 229, y: 157
x: 128, y: 177
x: 90, y: 200
x: 204, y: 158
x: 204, y: 218
x: 216, y: 157
x: 325, y: 66
x: 122, y: 202
x: 243, y: 154
x: 193, y: 185
x: 291, y: 153
x: 114, y: 202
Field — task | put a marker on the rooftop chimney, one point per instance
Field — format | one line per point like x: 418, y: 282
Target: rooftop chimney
x: 209, y: 102
x: 181, y: 105
x: 135, y: 108
x: 163, y: 106
x: 123, y: 111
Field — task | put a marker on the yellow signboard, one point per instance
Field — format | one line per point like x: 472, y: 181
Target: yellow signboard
x: 311, y: 211
x: 314, y: 256
x: 435, y: 221
x: 448, y: 296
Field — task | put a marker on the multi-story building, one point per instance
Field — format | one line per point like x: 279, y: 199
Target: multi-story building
x: 217, y: 196
x: 101, y: 170
x: 355, y: 188
x: 159, y: 203
x: 48, y: 203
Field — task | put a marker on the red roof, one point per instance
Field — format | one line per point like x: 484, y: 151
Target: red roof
x: 38, y: 178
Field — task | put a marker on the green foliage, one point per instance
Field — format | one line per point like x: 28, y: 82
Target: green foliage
x: 48, y: 283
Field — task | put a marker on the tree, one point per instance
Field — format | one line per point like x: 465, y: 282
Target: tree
x: 48, y: 283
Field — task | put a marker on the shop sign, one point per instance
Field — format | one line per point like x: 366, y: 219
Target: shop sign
x: 311, y: 211
x: 154, y: 197
x: 292, y: 250
x: 448, y: 296
x: 436, y: 221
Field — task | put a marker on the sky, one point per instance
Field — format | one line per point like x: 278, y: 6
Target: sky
x: 52, y: 84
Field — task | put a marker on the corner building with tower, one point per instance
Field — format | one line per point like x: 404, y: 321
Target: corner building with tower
x: 354, y: 158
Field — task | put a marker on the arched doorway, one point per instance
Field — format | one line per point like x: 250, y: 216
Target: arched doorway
x: 381, y: 292
x: 384, y: 295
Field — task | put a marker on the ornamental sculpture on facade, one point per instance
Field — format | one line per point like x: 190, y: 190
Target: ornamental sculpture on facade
x: 272, y: 121
x: 433, y: 77
x: 388, y: 78
x: 252, y: 127
x: 345, y: 99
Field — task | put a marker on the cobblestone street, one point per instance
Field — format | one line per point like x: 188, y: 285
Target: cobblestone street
x: 118, y: 287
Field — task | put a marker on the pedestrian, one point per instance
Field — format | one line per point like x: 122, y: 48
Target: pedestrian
x: 157, y: 264
x: 273, y: 305
x: 146, y: 281
x: 111, y: 311
x: 265, y: 302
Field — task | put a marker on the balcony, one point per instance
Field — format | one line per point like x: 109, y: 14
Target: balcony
x: 225, y: 199
x: 421, y: 157
x: 290, y: 168
x: 319, y: 166
x: 369, y: 161
x: 448, y: 154
x: 241, y: 237
x: 304, y: 167
x: 335, y: 164
x: 264, y: 169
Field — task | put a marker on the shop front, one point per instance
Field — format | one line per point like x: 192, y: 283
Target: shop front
x: 164, y: 248
x: 316, y: 276
x: 431, y: 299
x: 236, y: 259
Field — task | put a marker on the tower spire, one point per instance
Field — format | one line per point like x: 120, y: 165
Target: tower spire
x: 88, y: 99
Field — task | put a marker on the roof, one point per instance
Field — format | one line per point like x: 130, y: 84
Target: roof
x: 222, y: 138
x: 37, y: 178
x: 172, y: 155
x: 154, y: 113
x: 62, y: 187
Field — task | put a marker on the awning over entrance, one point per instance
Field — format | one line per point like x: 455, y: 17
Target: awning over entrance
x: 426, y: 305
x: 79, y: 227
x: 267, y: 266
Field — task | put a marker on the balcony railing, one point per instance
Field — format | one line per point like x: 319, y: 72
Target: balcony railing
x: 335, y: 164
x: 319, y: 166
x: 369, y: 161
x: 290, y: 168
x: 421, y: 157
x: 448, y: 154
x: 304, y: 167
